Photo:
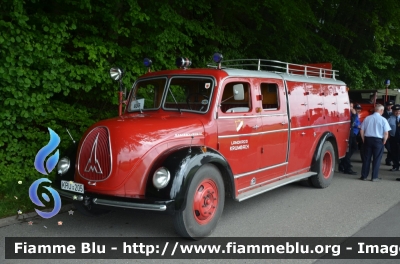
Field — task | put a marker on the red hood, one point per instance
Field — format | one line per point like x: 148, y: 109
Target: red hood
x: 124, y: 141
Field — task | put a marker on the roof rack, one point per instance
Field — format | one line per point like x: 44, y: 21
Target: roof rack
x: 321, y: 70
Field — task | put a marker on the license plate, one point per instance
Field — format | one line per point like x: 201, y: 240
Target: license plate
x: 72, y: 186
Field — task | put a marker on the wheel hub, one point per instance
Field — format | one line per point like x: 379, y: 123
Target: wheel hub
x: 327, y: 164
x: 205, y: 201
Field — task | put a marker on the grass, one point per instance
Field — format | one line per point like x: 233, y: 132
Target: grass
x: 16, y: 197
x: 10, y: 204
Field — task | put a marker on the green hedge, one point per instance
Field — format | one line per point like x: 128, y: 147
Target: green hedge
x: 55, y: 73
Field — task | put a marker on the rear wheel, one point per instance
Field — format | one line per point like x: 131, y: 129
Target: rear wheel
x: 325, y: 167
x: 204, y: 204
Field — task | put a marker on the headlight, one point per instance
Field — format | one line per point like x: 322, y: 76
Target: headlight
x: 63, y: 165
x: 161, y: 178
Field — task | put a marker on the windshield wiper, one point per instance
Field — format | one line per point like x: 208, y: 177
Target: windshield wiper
x: 173, y: 97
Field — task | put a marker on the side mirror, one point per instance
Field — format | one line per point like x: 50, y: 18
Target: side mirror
x: 116, y: 74
x: 238, y: 92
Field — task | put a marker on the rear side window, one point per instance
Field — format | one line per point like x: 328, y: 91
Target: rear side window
x: 269, y: 93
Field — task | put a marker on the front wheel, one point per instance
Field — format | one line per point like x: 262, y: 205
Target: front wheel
x: 203, y: 206
x: 325, y: 167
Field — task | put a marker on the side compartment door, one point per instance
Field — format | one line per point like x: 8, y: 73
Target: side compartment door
x: 330, y: 103
x: 343, y: 113
x: 301, y: 134
x: 316, y: 102
x: 275, y: 132
x: 238, y: 140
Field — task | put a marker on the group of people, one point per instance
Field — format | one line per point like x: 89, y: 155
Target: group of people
x: 377, y: 131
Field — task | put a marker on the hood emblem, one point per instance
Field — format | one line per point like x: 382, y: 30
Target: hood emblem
x: 93, y: 164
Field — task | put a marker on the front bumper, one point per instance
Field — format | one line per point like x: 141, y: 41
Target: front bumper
x: 119, y: 202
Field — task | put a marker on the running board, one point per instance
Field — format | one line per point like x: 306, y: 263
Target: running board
x: 274, y: 185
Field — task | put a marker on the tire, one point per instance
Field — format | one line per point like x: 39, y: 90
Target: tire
x: 325, y: 167
x: 92, y: 212
x: 203, y: 206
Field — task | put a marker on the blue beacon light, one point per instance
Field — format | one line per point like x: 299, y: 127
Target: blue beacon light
x: 217, y: 58
x: 147, y: 63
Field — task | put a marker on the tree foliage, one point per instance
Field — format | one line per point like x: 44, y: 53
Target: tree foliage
x: 56, y: 54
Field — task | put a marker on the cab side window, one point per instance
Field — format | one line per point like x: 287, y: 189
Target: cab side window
x: 228, y: 102
x: 269, y: 92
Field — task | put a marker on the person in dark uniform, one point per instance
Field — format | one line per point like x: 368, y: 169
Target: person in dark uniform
x: 394, y: 136
x: 388, y: 109
x: 345, y: 163
x: 374, y: 133
x: 386, y: 114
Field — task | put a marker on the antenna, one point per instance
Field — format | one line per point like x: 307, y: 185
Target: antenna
x: 70, y: 135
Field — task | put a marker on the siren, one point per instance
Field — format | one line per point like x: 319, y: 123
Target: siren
x: 183, y: 63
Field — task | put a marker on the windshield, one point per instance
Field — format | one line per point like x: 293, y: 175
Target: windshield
x: 147, y: 95
x: 192, y: 94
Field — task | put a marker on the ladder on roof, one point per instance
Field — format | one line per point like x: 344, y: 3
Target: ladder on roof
x: 321, y: 70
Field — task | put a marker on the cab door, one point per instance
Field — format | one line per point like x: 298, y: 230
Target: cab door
x: 274, y: 129
x: 238, y: 137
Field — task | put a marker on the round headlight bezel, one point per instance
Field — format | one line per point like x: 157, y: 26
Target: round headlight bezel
x: 63, y: 165
x: 161, y: 178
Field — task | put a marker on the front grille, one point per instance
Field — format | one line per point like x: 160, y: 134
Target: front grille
x: 94, y: 162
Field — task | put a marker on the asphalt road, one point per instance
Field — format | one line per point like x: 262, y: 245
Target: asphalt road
x: 348, y: 207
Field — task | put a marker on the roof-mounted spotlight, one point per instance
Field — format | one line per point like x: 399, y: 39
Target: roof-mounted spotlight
x: 217, y: 58
x: 147, y: 63
x: 183, y: 63
x: 116, y: 74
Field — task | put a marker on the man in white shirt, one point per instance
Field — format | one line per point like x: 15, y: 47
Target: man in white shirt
x: 374, y: 134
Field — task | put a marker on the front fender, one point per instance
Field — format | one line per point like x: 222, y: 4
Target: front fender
x: 183, y: 165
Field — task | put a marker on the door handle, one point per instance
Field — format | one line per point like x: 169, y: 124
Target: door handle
x: 303, y: 133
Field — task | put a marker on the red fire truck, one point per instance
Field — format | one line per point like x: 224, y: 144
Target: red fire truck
x: 188, y: 138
